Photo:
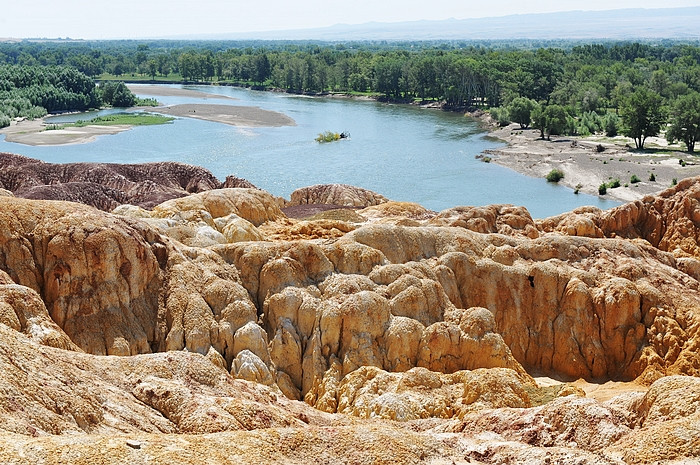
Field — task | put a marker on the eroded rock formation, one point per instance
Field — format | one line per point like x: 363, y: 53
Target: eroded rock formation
x: 225, y: 314
x: 104, y: 185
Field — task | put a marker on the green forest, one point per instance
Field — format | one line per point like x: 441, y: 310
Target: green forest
x: 574, y: 88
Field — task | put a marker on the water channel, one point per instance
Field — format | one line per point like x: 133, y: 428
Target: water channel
x: 403, y: 152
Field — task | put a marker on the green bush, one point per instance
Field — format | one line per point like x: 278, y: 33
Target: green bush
x: 652, y: 178
x: 612, y: 124
x: 555, y: 175
x: 614, y: 183
x: 328, y: 136
x: 674, y: 181
x: 603, y: 189
x: 634, y: 179
x: 500, y: 115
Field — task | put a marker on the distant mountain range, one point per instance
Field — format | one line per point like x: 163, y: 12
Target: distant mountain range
x: 621, y: 24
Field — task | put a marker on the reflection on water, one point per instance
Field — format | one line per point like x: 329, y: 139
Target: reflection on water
x: 404, y: 153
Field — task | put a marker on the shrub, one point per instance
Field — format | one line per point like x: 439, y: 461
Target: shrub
x: 652, y: 178
x: 500, y: 115
x: 674, y: 181
x: 578, y: 187
x: 600, y: 148
x: 612, y: 124
x: 602, y: 189
x: 634, y: 179
x: 555, y: 175
x: 328, y: 136
x: 614, y: 183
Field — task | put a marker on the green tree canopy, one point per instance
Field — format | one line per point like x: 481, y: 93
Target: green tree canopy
x: 685, y: 120
x: 520, y: 110
x: 553, y: 120
x: 642, y: 115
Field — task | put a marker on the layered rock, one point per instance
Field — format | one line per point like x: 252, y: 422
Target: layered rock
x: 103, y: 185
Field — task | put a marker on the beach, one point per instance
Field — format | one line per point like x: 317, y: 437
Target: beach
x: 585, y: 167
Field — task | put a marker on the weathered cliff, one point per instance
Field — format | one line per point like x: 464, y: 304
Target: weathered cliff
x: 393, y: 312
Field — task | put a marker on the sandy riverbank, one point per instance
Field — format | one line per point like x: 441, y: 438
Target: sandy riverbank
x: 33, y: 132
x: 583, y: 165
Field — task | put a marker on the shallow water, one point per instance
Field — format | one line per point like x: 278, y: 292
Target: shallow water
x: 405, y: 153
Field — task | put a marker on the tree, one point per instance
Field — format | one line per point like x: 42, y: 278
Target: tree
x: 152, y: 68
x: 642, y: 115
x: 685, y: 120
x: 520, y: 110
x: 554, y: 120
x: 538, y: 120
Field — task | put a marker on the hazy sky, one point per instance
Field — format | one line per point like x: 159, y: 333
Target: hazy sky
x: 106, y: 19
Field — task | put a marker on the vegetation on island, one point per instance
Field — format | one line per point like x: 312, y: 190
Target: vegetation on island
x: 639, y: 90
x: 328, y: 136
x: 131, y: 119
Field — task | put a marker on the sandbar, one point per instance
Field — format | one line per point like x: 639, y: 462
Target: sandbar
x: 228, y: 114
x: 584, y: 166
x: 157, y: 90
x: 33, y: 132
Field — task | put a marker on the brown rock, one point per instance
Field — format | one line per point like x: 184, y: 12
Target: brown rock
x: 336, y: 194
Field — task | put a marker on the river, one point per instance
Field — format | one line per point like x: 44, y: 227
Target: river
x: 403, y: 152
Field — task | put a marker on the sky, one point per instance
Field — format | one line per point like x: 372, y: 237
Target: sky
x: 138, y: 19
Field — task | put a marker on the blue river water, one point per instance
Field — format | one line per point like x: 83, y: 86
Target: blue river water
x: 403, y: 152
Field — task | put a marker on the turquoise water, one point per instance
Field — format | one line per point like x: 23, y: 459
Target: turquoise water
x: 405, y: 153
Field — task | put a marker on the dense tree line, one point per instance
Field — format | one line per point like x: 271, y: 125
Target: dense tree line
x: 638, y: 89
x: 34, y: 91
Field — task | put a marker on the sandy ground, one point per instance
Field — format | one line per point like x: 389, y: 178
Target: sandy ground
x: 600, y: 392
x: 33, y: 132
x: 583, y: 165
x: 228, y: 114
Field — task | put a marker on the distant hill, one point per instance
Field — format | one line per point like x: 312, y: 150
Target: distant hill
x: 622, y: 24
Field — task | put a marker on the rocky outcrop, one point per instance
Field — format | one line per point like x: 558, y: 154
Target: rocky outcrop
x: 335, y: 194
x: 669, y: 221
x: 51, y: 391
x: 103, y: 185
x: 220, y: 307
x: 501, y: 219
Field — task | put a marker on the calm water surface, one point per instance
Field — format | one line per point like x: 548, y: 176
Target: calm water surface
x: 402, y: 152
